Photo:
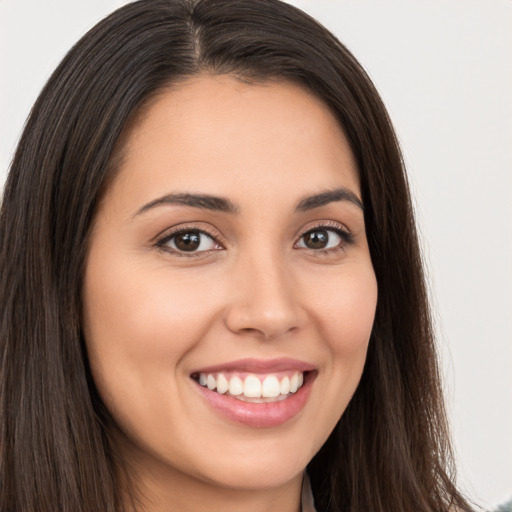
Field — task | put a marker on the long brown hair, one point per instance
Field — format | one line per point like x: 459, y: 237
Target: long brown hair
x: 390, y: 450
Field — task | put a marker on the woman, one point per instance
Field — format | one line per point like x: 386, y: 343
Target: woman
x: 211, y: 279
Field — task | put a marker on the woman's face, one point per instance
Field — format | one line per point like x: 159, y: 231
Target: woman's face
x: 228, y: 260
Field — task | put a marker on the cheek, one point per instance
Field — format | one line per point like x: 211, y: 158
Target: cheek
x: 141, y: 316
x: 344, y: 314
x: 348, y: 311
x: 138, y: 326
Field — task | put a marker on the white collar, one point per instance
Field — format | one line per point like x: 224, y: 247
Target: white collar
x: 307, y: 500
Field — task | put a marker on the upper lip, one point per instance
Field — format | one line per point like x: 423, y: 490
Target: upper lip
x: 259, y: 366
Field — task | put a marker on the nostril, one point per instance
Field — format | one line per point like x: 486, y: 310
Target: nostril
x: 261, y: 324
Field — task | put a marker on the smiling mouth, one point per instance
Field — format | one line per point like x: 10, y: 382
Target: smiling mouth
x: 251, y: 387
x: 255, y: 392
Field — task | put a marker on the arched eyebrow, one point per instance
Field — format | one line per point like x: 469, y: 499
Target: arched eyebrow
x: 329, y: 196
x: 202, y: 201
x: 224, y: 205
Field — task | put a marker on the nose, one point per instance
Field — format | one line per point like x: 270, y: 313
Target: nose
x: 264, y: 300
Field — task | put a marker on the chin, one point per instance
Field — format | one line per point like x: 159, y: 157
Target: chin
x: 252, y: 475
x: 258, y: 464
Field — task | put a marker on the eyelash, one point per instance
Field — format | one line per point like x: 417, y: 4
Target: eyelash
x: 347, y: 239
x: 180, y: 230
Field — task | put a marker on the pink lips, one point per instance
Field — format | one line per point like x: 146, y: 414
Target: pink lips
x: 270, y: 414
x: 259, y: 366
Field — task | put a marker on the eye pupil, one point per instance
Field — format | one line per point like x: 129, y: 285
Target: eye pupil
x: 188, y: 241
x: 316, y: 239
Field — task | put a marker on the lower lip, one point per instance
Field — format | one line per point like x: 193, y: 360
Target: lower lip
x: 270, y: 414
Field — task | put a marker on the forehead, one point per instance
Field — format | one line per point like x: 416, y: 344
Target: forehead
x: 219, y: 135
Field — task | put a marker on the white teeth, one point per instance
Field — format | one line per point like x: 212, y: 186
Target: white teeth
x: 270, y: 387
x: 294, y: 383
x: 285, y: 386
x: 222, y: 384
x: 236, y: 386
x: 253, y: 386
x: 211, y: 382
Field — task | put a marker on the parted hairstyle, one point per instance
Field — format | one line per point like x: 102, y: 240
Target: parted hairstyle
x: 390, y: 450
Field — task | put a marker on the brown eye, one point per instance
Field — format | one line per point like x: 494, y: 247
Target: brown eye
x: 323, y: 238
x: 316, y: 239
x: 189, y: 241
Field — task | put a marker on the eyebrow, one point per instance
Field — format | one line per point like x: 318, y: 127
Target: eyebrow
x: 203, y: 201
x: 329, y: 196
x: 221, y: 204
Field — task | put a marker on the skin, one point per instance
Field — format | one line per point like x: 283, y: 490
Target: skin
x: 152, y: 316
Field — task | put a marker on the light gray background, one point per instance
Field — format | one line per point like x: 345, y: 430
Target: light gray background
x: 444, y: 69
